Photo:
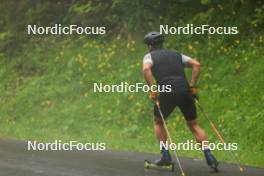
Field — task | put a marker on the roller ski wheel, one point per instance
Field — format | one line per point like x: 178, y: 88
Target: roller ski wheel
x: 151, y: 165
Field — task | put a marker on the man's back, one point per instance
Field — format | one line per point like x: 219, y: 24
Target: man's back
x: 168, y: 68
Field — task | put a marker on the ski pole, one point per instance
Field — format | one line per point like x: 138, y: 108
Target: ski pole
x: 169, y: 136
x: 217, y: 133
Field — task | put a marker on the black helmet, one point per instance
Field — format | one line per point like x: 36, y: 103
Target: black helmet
x: 153, y: 38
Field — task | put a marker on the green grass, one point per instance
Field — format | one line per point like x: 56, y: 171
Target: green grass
x: 46, y: 94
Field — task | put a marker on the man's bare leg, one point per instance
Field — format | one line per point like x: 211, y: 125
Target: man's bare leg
x: 201, y: 138
x: 161, y: 137
x: 159, y: 130
x: 198, y: 132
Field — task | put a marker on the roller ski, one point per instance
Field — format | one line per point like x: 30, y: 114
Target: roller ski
x: 169, y: 166
x: 164, y: 163
x: 211, y: 161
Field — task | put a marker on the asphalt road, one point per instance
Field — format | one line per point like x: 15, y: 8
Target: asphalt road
x: 15, y: 160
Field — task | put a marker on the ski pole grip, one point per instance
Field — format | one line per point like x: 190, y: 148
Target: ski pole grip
x: 158, y: 104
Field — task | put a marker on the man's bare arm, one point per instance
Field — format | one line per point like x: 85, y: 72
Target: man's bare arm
x: 148, y: 74
x: 196, y: 67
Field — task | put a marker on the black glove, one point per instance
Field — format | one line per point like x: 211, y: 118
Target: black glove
x: 194, y: 92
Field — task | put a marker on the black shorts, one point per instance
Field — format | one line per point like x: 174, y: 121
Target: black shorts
x: 183, y: 99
